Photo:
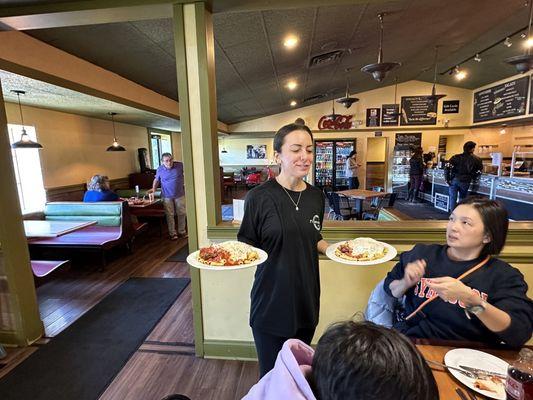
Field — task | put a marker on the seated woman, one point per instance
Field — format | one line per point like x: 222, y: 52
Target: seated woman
x: 484, y: 304
x: 352, y: 361
x: 98, y: 190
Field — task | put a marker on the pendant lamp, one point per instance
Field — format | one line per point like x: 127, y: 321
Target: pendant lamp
x: 524, y: 63
x: 347, y: 101
x: 25, y: 142
x: 396, y: 114
x: 115, y: 146
x: 434, y: 97
x: 380, y: 69
x: 333, y: 116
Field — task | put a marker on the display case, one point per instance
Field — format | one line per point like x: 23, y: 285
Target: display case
x: 400, y: 169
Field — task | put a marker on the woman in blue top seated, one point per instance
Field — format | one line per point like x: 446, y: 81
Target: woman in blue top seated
x: 98, y: 190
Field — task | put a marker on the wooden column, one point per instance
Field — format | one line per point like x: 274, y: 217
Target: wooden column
x: 195, y: 63
x: 20, y: 322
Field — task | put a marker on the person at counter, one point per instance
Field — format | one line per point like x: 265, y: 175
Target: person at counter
x: 463, y: 169
x: 98, y: 189
x: 283, y: 216
x: 351, y: 170
x: 458, y: 291
x: 416, y: 173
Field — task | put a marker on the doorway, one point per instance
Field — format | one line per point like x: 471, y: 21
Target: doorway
x: 376, y: 163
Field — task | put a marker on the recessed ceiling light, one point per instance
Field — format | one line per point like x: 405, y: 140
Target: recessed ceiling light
x: 291, y: 85
x: 290, y: 42
x: 293, y: 103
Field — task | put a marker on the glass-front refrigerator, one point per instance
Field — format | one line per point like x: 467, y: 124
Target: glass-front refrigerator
x: 330, y: 163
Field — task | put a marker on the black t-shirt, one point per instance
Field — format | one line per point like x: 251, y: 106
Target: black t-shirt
x: 497, y: 282
x: 286, y: 291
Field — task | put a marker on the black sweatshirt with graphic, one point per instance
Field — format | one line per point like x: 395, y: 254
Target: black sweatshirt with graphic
x: 496, y: 282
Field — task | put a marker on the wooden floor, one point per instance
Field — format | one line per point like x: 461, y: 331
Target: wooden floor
x: 165, y: 363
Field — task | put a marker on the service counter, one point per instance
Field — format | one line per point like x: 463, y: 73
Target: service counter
x: 515, y: 193
x: 225, y: 296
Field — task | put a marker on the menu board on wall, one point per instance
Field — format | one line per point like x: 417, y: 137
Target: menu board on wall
x: 389, y: 114
x: 372, y: 116
x: 501, y: 101
x: 407, y: 141
x: 418, y: 110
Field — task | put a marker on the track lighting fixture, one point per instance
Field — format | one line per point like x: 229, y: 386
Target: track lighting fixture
x: 523, y: 63
x: 477, y: 58
x: 507, y: 42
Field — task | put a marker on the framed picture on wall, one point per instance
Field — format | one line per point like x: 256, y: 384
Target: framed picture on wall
x: 256, y: 151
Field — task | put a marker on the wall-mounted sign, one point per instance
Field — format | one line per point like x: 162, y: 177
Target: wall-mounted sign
x: 531, y: 98
x: 407, y: 141
x: 340, y: 122
x: 418, y: 110
x: 390, y: 114
x: 450, y: 107
x: 378, y: 134
x: 372, y: 116
x: 501, y: 101
x: 441, y: 201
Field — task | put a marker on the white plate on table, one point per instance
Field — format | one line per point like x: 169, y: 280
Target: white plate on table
x: 475, y: 359
x: 391, y: 253
x: 192, y: 260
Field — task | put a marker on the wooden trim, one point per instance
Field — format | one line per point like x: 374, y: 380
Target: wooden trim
x: 230, y: 350
x: 186, y: 142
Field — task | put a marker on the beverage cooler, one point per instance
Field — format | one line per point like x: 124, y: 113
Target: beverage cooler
x: 330, y: 163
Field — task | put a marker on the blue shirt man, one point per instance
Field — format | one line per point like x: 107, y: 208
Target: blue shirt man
x: 170, y: 175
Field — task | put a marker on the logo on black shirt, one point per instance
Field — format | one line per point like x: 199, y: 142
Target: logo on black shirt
x: 316, y: 222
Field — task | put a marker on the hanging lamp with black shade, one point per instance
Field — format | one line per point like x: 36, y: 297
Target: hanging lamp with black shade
x: 333, y: 116
x: 25, y: 142
x: 523, y: 63
x: 380, y: 69
x: 115, y: 146
x: 398, y: 113
x: 347, y: 101
x: 434, y: 97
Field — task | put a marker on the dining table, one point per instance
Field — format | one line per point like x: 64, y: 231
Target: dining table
x: 143, y: 203
x: 360, y: 195
x: 446, y: 382
x: 50, y: 229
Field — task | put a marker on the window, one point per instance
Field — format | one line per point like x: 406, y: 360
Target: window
x: 160, y: 143
x: 28, y: 173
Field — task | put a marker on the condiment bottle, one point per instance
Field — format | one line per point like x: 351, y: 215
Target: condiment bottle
x: 519, y: 382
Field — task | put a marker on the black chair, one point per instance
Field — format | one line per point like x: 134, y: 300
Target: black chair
x: 375, y: 200
x: 330, y: 203
x: 373, y: 214
x: 392, y: 198
x: 342, y: 208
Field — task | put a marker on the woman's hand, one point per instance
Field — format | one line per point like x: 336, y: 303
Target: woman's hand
x: 412, y: 273
x: 451, y: 289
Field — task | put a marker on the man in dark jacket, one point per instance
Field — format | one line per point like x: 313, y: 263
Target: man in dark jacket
x: 462, y: 170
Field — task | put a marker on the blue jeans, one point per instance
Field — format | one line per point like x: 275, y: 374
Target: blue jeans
x: 457, y: 186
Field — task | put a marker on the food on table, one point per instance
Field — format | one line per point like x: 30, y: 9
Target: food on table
x: 492, y: 384
x: 361, y: 249
x: 227, y: 254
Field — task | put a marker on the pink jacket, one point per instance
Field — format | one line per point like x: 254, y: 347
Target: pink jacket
x: 288, y: 378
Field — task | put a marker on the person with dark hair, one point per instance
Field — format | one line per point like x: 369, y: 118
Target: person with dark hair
x: 353, y: 360
x: 299, y: 121
x: 98, y: 189
x: 283, y: 216
x: 351, y: 170
x: 416, y: 172
x: 463, y: 169
x: 458, y: 291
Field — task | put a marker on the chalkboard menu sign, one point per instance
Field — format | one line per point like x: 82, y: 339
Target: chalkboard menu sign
x: 389, y: 114
x: 372, y: 116
x: 450, y: 106
x: 501, y: 101
x: 407, y: 141
x: 418, y: 110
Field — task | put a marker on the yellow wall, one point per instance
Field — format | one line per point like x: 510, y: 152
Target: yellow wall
x: 375, y: 151
x: 74, y: 146
x: 236, y: 154
x: 372, y: 98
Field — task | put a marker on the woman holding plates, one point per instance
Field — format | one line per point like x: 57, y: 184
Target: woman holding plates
x: 284, y: 217
x: 459, y: 291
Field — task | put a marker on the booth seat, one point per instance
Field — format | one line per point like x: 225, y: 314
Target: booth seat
x: 113, y: 227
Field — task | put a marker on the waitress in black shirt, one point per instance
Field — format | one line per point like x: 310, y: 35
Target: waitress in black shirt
x: 488, y: 305
x: 284, y: 217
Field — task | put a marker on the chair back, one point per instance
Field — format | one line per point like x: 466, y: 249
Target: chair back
x: 334, y: 202
x: 392, y: 199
